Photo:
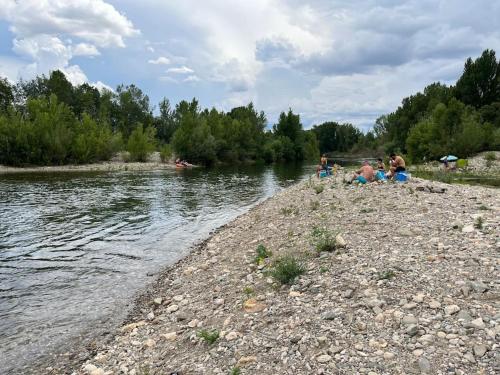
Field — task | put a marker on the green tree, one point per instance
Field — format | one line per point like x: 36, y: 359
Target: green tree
x: 6, y: 95
x: 132, y: 109
x: 141, y: 143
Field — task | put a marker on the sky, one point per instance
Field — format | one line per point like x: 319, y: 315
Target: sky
x: 328, y: 60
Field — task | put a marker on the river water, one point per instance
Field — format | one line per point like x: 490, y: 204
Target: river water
x: 76, y: 247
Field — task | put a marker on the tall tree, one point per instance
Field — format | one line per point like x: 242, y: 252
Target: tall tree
x: 6, y: 95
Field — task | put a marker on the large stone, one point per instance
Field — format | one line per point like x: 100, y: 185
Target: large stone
x: 480, y: 350
x: 324, y: 358
x: 476, y: 323
x: 243, y: 361
x: 424, y: 365
x: 171, y: 336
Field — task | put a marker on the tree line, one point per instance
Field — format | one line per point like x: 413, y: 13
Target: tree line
x: 49, y: 121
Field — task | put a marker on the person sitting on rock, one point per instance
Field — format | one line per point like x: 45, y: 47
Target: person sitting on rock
x: 397, y: 165
x: 364, y: 174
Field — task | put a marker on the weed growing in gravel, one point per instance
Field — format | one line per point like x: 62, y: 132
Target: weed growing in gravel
x: 314, y: 205
x: 319, y: 188
x: 366, y: 210
x: 262, y: 253
x: 324, y: 239
x: 323, y: 269
x: 479, y: 223
x: 289, y: 210
x: 248, y: 290
x: 209, y: 336
x: 235, y: 371
x: 483, y: 208
x: 286, y: 269
x: 386, y: 275
x: 490, y: 156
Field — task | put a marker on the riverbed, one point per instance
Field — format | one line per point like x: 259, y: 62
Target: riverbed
x: 76, y: 247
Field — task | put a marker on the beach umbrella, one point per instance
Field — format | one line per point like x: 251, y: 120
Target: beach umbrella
x: 449, y: 158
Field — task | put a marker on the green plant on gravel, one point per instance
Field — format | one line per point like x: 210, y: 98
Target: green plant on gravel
x: 289, y: 210
x: 323, y: 269
x: 262, y: 254
x: 319, y: 188
x: 386, y: 275
x: 366, y: 210
x: 235, y: 371
x: 483, y: 208
x: 462, y: 163
x: 286, y: 269
x: 479, y: 223
x: 314, y: 205
x: 248, y: 290
x: 324, y: 239
x: 209, y: 336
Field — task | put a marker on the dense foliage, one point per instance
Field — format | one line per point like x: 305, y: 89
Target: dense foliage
x: 49, y: 121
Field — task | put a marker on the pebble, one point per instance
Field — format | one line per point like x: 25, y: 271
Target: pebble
x: 158, y: 301
x: 434, y: 304
x: 171, y: 336
x: 477, y: 324
x: 480, y: 350
x: 231, y: 336
x: 424, y: 365
x: 468, y: 229
x: 451, y: 309
x: 172, y: 308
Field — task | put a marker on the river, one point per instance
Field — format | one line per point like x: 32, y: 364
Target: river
x: 76, y: 247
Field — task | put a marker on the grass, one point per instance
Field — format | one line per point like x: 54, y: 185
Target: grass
x: 286, y: 269
x: 209, y: 337
x: 319, y: 188
x: 483, y: 208
x: 235, y: 371
x: 490, y: 156
x: 479, y: 223
x: 248, y: 290
x: 314, y: 205
x: 287, y: 211
x: 386, y: 275
x: 262, y: 254
x: 324, y: 239
x: 323, y: 269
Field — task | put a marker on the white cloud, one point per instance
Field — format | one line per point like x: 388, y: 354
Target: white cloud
x: 85, y: 49
x: 160, y: 61
x: 180, y: 70
x: 192, y: 78
x: 168, y: 79
x: 93, y: 21
x: 102, y: 86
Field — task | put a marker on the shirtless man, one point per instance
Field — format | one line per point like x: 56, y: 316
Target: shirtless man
x: 365, y: 173
x: 397, y: 165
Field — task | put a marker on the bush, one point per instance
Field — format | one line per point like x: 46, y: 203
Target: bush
x: 141, y: 143
x: 165, y: 153
x: 286, y: 269
x: 262, y: 253
x: 319, y: 189
x: 462, y: 163
x: 324, y: 240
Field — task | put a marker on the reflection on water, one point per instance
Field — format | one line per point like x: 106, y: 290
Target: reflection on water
x: 74, y: 247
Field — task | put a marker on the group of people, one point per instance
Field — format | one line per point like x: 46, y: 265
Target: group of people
x: 368, y: 174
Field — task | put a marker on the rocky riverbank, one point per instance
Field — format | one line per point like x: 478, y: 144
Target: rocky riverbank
x: 409, y: 285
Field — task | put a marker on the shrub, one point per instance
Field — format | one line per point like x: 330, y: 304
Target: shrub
x: 319, y: 189
x: 286, y: 269
x: 479, y: 223
x: 141, y: 143
x: 386, y: 275
x: 324, y: 239
x: 235, y: 371
x: 462, y: 163
x: 289, y: 210
x: 209, y: 336
x: 165, y: 153
x: 314, y: 205
x: 262, y: 253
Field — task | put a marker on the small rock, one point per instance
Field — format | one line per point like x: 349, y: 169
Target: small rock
x: 193, y: 323
x: 419, y: 298
x: 252, y: 306
x: 469, y: 357
x: 219, y: 302
x: 348, y: 293
x: 409, y: 319
x: 150, y: 343
x: 171, y: 336
x: 409, y: 306
x: 451, y: 309
x: 418, y: 352
x: 150, y: 316
x: 480, y: 350
x: 243, y: 361
x: 464, y: 315
x: 231, y: 336
x: 478, y: 286
x: 412, y: 330
x: 477, y: 324
x: 324, y: 358
x: 172, y: 308
x: 424, y: 365
x: 468, y: 229
x: 388, y: 356
x: 434, y: 304
x: 158, y: 301
x: 178, y: 298
x: 294, y: 293
x: 340, y: 241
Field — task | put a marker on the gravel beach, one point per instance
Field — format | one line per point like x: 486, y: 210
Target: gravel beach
x: 410, y: 286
